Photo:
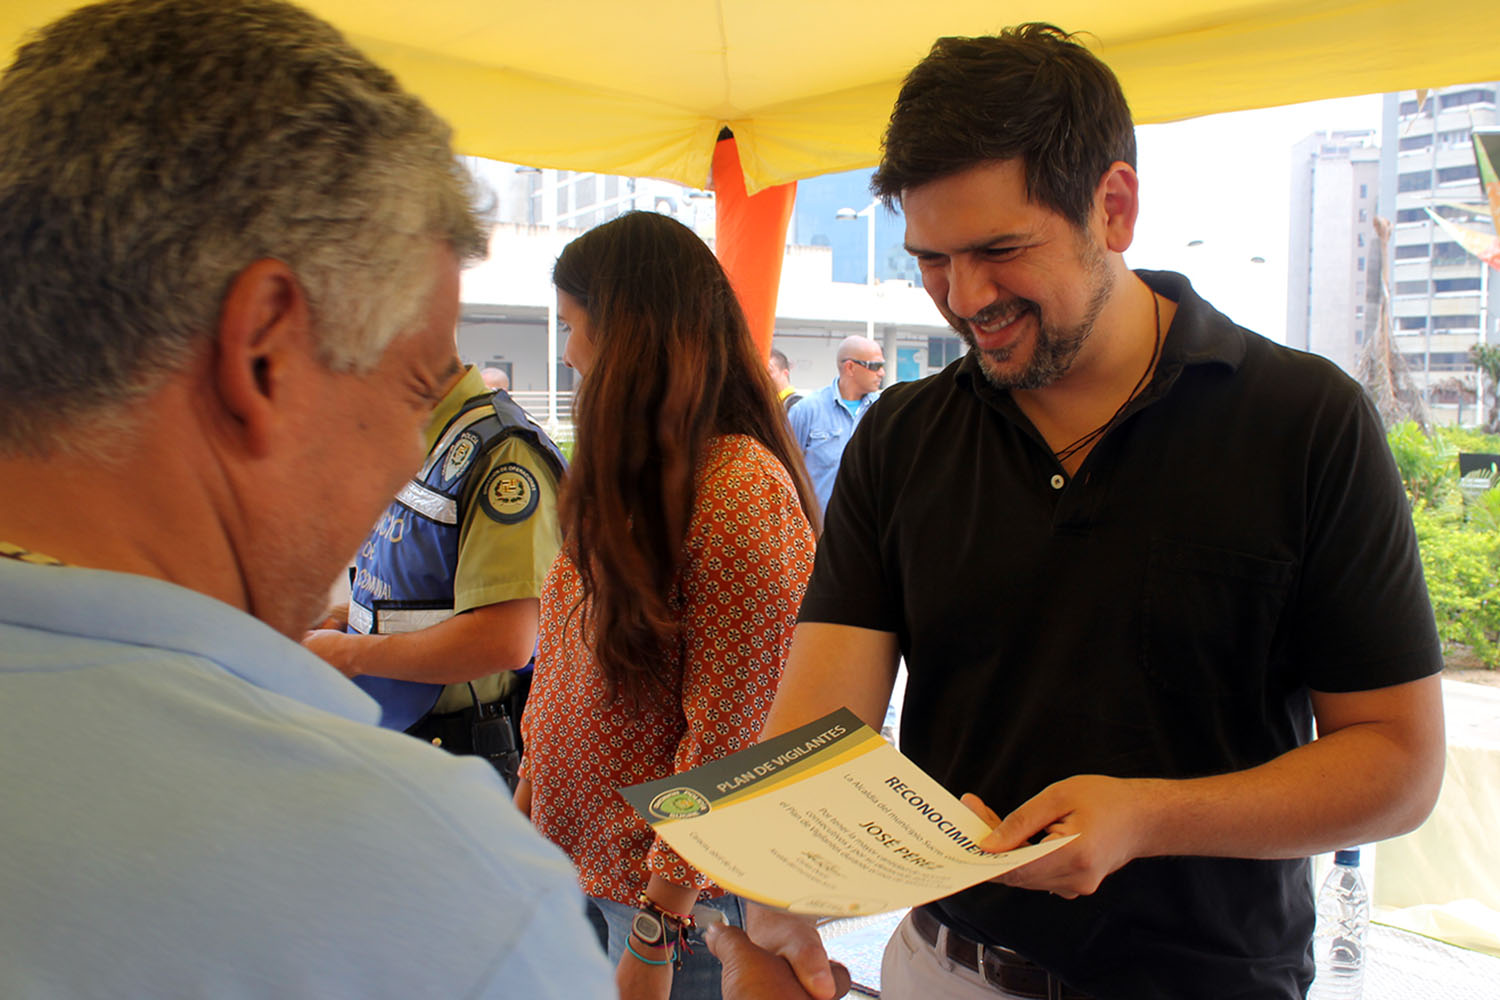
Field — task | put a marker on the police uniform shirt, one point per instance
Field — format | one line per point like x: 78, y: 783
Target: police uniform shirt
x: 510, y: 532
x: 510, y: 536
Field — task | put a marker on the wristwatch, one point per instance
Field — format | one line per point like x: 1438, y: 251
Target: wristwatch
x: 649, y: 929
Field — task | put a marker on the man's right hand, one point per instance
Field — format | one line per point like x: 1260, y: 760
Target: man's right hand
x: 337, y: 618
x: 751, y: 972
x: 795, y: 939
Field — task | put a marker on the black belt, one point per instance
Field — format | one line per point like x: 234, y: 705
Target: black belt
x: 480, y: 730
x: 999, y: 967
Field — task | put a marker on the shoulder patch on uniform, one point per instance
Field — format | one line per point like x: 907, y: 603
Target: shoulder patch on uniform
x: 509, y: 494
x: 460, y: 454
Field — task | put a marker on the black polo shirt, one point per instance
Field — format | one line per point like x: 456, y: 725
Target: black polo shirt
x: 1241, y: 535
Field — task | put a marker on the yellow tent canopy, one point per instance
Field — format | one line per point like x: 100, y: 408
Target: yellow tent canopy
x: 806, y: 85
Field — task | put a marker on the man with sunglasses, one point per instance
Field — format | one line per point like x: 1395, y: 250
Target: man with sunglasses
x: 823, y: 421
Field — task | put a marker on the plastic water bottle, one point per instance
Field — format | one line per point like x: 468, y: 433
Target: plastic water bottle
x: 1339, y: 939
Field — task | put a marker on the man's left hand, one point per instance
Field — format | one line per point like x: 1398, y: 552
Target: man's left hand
x: 1110, y: 815
x: 753, y: 973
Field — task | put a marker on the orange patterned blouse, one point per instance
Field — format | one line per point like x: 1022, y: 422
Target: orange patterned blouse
x: 749, y: 554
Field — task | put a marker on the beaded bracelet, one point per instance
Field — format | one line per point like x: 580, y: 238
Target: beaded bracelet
x: 649, y: 961
x: 678, y: 923
x: 682, y: 920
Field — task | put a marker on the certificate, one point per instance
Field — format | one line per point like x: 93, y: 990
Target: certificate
x: 827, y: 819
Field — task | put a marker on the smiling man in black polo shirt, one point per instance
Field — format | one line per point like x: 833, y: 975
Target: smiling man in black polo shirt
x: 1131, y: 553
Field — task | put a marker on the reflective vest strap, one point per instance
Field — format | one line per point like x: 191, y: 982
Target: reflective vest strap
x: 429, y: 503
x: 393, y: 621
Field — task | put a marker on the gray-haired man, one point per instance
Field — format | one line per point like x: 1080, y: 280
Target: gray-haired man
x: 231, y: 247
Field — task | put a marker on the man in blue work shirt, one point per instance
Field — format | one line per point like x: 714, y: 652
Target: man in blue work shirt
x: 823, y: 421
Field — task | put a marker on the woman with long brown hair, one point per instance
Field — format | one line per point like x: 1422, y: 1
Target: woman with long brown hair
x: 688, y: 528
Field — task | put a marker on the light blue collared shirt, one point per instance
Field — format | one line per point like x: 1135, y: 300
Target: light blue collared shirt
x: 197, y: 806
x: 822, y: 426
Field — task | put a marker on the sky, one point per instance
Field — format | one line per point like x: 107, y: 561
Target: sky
x: 1225, y: 180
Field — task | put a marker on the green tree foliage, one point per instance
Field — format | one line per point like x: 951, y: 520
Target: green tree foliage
x: 1458, y: 531
x: 1429, y: 465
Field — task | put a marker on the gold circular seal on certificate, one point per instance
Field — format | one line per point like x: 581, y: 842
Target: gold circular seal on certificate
x: 679, y: 803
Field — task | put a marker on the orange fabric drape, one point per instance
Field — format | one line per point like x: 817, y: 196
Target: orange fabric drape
x: 751, y: 237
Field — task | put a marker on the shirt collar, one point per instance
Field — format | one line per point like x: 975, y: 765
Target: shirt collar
x: 94, y: 604
x: 1199, y: 334
x: 838, y: 397
x: 469, y: 385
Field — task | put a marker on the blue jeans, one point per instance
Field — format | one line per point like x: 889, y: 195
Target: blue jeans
x: 698, y: 979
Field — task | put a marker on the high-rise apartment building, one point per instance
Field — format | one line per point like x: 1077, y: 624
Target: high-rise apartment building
x: 1443, y: 301
x: 1333, y: 259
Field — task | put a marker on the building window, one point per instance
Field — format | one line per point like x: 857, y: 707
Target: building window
x: 1466, y: 97
x: 942, y: 351
x: 1411, y: 322
x: 1456, y: 285
x: 1419, y: 181
x: 1412, y: 142
x: 1361, y: 264
x: 1447, y: 362
x: 1411, y: 215
x: 1450, y: 175
x: 1412, y: 251
x: 1364, y: 190
x: 1449, y: 253
x: 1361, y: 239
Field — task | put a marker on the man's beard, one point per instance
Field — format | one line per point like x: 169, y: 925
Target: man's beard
x: 1053, y: 351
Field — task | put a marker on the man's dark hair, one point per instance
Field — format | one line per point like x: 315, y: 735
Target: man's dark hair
x: 1032, y: 92
x: 780, y: 359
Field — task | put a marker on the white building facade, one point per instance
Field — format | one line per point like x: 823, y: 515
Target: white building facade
x: 1444, y: 301
x: 1333, y: 259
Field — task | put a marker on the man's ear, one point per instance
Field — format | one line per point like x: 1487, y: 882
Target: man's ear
x: 264, y: 332
x: 1118, y: 197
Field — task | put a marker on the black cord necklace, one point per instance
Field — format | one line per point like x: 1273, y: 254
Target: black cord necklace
x: 1067, y: 452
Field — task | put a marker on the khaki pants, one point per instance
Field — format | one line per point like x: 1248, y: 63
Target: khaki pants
x: 913, y: 970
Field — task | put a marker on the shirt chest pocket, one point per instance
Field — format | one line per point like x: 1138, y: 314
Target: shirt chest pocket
x: 1210, y: 617
x: 821, y: 434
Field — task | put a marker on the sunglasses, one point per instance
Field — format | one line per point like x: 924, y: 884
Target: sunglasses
x: 873, y: 366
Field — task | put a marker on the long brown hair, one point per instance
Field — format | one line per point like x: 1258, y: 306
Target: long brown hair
x: 673, y: 365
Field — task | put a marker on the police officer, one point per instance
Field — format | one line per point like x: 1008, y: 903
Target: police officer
x: 442, y: 619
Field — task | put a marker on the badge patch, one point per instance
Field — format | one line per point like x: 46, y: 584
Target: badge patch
x: 510, y: 494
x: 459, y: 456
x: 678, y: 803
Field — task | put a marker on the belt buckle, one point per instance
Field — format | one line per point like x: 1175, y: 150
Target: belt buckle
x: 1009, y: 972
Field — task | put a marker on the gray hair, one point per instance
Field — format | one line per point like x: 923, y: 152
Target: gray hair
x: 155, y: 148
